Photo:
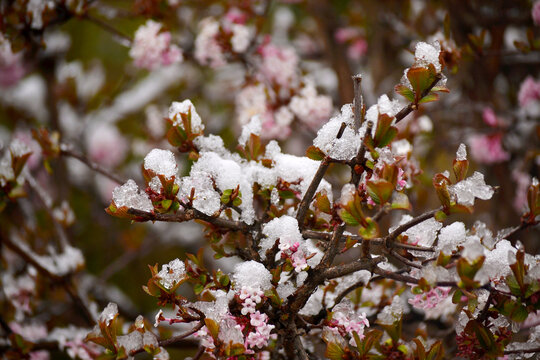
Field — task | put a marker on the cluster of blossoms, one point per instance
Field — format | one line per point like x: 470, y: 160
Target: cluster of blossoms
x: 302, y: 270
x: 152, y: 47
x: 431, y: 298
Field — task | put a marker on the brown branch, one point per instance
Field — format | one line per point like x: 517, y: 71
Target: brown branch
x: 346, y: 269
x: 66, y: 151
x: 187, y: 215
x: 402, y: 228
x: 408, y: 279
x: 412, y: 106
x: 358, y: 100
x: 317, y: 178
x: 332, y: 250
x: 358, y: 161
x: 172, y: 340
x: 404, y: 260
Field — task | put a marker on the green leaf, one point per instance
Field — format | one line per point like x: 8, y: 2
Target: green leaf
x: 314, y: 153
x: 323, y: 203
x: 429, y: 98
x: 484, y: 336
x: 421, y: 78
x: 405, y: 91
x: 440, y: 216
x: 370, y: 231
x: 334, y: 351
x: 380, y: 190
x: 436, y: 351
x: 348, y: 218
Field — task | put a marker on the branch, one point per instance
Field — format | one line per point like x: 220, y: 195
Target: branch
x: 358, y: 100
x: 120, y: 37
x: 356, y: 173
x: 523, y: 351
x: 66, y: 151
x: 402, y: 228
x: 172, y: 340
x: 332, y: 251
x: 408, y: 279
x: 187, y: 215
x: 412, y: 106
x: 317, y: 178
x: 346, y: 269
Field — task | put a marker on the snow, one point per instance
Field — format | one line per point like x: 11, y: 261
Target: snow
x: 131, y: 342
x: 109, y: 313
x: 172, y: 273
x: 284, y: 228
x: 161, y: 162
x: 252, y: 274
x: 423, y: 234
x: 392, y: 312
x: 384, y: 106
x: 426, y: 54
x: 344, y: 148
x: 18, y: 148
x: 473, y: 187
x: 254, y: 126
x: 472, y: 249
x: 450, y: 237
x: 184, y: 107
x: 230, y: 332
x: 461, y: 154
x: 128, y: 195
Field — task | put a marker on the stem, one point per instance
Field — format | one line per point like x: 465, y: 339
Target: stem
x: 523, y: 351
x: 417, y: 220
x: 358, y: 100
x: 120, y: 37
x: 66, y: 151
x: 317, y: 178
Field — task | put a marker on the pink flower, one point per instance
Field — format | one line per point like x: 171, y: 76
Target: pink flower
x: 152, y: 48
x: 11, y: 65
x: 487, y: 149
x: 357, y: 49
x: 528, y: 91
x: 431, y: 298
x: 106, y: 145
x: 401, y: 183
x: 489, y: 117
x: 345, y: 34
x: 311, y: 108
x: 207, y: 49
x: 523, y: 180
x: 536, y: 13
x: 279, y: 64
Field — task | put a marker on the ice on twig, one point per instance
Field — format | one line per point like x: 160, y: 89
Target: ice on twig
x: 461, y: 154
x: 109, y: 313
x: 161, y: 162
x: 172, y: 273
x: 473, y: 187
x: 128, y: 195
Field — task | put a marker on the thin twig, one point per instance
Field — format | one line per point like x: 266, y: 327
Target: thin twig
x: 120, y: 37
x: 358, y: 100
x: 415, y: 221
x: 523, y: 351
x: 66, y: 151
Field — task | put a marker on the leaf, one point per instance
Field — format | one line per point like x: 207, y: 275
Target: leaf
x: 405, y: 91
x: 429, y: 98
x: 420, y: 350
x: 348, y: 218
x: 484, y: 336
x: 212, y: 327
x: 323, y: 203
x: 370, y: 231
x: 380, y: 190
x: 314, y: 153
x: 436, y: 351
x: 421, y: 78
x: 400, y: 201
x: 334, y: 351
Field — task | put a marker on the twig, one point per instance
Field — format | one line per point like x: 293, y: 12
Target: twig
x: 417, y: 220
x: 346, y: 269
x: 66, y: 151
x: 358, y: 100
x: 332, y: 251
x: 120, y: 37
x: 317, y: 178
x: 404, y: 260
x: 187, y: 215
x: 172, y: 340
x: 358, y: 160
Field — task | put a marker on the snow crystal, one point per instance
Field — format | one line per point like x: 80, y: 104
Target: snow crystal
x: 391, y: 313
x: 18, y: 148
x: 172, y: 273
x: 284, y: 228
x: 461, y: 154
x: 178, y: 108
x: 384, y: 106
x: 131, y: 342
x: 161, y: 162
x: 129, y: 195
x: 254, y: 126
x: 423, y: 234
x: 285, y: 289
x: 426, y: 54
x: 109, y: 313
x: 252, y: 274
x: 347, y: 194
x: 215, y: 310
x: 155, y: 184
x: 451, y: 237
x: 211, y: 143
x: 474, y: 186
x: 496, y: 263
x: 230, y: 331
x: 347, y: 145
x: 472, y: 249
x: 401, y: 147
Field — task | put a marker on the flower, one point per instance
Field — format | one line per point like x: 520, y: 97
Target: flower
x: 528, y: 91
x: 487, y: 149
x: 152, y: 48
x: 536, y: 12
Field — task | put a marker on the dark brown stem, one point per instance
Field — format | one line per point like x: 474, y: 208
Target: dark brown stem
x: 358, y: 100
x: 187, y: 215
x: 174, y: 339
x: 404, y: 260
x: 358, y: 161
x: 408, y: 279
x: 332, y: 250
x: 66, y: 151
x: 317, y: 178
x: 346, y: 269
